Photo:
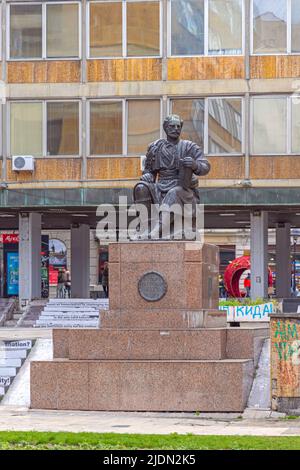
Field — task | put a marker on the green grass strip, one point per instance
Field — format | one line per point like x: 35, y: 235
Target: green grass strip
x: 92, y: 441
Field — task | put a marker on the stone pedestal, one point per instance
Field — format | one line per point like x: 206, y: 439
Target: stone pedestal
x: 162, y: 346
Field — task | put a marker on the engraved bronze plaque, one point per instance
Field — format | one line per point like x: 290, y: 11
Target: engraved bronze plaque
x: 152, y: 286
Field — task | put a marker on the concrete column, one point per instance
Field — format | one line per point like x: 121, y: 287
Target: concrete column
x: 80, y: 261
x: 29, y: 257
x: 283, y: 260
x: 259, y: 254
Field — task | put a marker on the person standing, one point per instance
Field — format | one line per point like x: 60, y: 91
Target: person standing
x: 247, y: 284
x: 60, y: 293
x: 105, y: 279
x: 68, y: 283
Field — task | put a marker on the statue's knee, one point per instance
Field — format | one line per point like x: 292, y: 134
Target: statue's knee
x: 142, y: 193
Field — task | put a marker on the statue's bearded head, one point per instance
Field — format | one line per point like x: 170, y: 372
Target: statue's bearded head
x: 173, y: 126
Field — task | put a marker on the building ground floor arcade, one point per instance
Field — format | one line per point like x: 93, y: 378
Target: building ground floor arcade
x: 262, y: 223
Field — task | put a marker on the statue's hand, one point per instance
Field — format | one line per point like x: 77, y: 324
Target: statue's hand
x: 148, y: 177
x: 189, y: 162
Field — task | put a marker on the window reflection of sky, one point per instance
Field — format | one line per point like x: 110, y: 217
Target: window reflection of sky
x: 295, y: 11
x: 187, y: 27
x: 190, y: 16
x: 276, y: 8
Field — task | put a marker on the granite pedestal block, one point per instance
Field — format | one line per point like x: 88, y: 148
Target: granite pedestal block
x: 141, y: 385
x: 162, y: 346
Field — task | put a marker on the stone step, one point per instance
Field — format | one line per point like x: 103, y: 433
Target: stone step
x: 77, y: 302
x: 157, y: 386
x: 16, y: 344
x: 13, y: 353
x: 157, y: 318
x: 70, y: 309
x: 53, y: 316
x: 17, y: 316
x: 102, y: 344
x: 10, y: 371
x: 66, y: 324
x: 10, y: 362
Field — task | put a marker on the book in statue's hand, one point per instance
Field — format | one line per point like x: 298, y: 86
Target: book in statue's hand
x: 185, y: 176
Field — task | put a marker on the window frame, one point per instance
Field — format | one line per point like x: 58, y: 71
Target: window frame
x: 44, y: 126
x: 288, y: 32
x: 206, y: 33
x: 88, y: 125
x: 124, y: 30
x: 205, y: 124
x: 44, y: 32
x: 288, y: 125
x: 124, y: 101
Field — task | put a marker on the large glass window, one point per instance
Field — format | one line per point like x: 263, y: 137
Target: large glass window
x: 106, y: 29
x: 106, y: 128
x: 225, y: 27
x: 191, y: 111
x: 26, y: 129
x: 25, y: 31
x: 143, y: 125
x: 269, y: 26
x: 269, y: 125
x: 29, y: 40
x: 224, y: 125
x: 187, y: 26
x: 295, y: 5
x: 111, y: 36
x: 295, y: 104
x: 143, y: 29
x: 62, y: 128
x: 62, y: 30
x: 191, y: 24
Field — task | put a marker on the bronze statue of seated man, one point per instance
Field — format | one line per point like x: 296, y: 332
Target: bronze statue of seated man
x: 170, y: 175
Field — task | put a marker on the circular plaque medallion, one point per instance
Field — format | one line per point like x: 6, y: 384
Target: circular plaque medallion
x: 152, y: 286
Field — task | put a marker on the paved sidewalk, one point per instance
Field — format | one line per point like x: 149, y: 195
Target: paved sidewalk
x: 22, y: 419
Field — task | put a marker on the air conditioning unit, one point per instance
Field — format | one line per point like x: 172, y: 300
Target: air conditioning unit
x: 142, y: 162
x: 23, y: 163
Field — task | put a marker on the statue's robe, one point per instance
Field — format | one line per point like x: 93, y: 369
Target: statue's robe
x: 163, y: 162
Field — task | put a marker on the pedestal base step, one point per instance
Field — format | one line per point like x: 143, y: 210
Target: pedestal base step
x: 107, y: 344
x: 159, y: 318
x: 210, y: 386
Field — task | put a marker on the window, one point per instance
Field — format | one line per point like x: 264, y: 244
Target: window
x: 269, y: 26
x: 62, y: 30
x: 63, y: 128
x: 295, y: 15
x: 225, y: 27
x: 187, y: 26
x: 26, y: 33
x: 215, y: 124
x: 143, y: 125
x: 106, y: 29
x: 191, y: 24
x: 26, y: 128
x: 106, y: 128
x: 143, y: 29
x: 276, y: 26
x: 128, y: 29
x: 269, y: 125
x: 108, y: 135
x: 224, y: 125
x: 295, y: 105
x: 191, y: 111
x: 30, y: 135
